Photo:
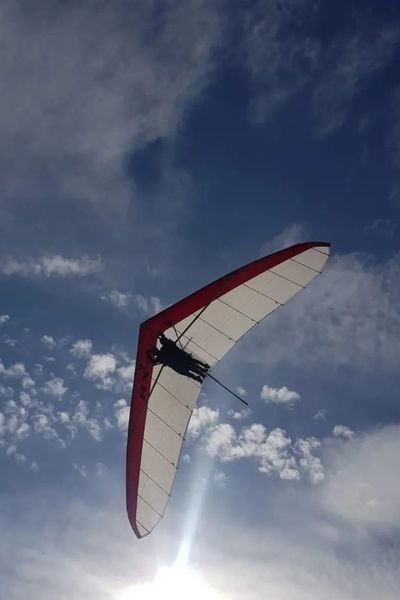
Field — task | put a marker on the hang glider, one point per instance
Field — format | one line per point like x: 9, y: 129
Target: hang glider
x: 178, y: 347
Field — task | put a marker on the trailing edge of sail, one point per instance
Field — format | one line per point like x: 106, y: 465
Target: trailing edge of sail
x: 207, y: 324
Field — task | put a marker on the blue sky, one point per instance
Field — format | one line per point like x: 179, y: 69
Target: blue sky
x: 147, y: 148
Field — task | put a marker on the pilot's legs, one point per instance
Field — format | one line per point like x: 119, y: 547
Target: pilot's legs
x: 200, y: 365
x: 198, y: 378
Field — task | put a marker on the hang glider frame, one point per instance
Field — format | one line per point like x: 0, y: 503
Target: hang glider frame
x: 162, y: 400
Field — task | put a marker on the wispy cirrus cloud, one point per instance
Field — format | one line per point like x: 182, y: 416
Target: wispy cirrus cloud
x: 107, y: 94
x: 353, y: 294
x: 352, y: 62
x: 50, y: 266
x: 362, y: 487
x: 122, y: 411
x: 146, y: 305
x: 382, y: 227
x: 290, y: 235
x: 118, y: 299
x: 284, y: 54
x: 280, y: 52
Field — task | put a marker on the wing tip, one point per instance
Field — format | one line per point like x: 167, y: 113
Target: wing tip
x: 301, y: 247
x: 309, y: 245
x: 324, y: 247
x: 314, y: 243
x: 135, y: 527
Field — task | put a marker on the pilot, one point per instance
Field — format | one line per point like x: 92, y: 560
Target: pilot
x: 177, y: 359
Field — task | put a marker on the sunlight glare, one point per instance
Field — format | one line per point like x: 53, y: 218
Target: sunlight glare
x: 173, y: 583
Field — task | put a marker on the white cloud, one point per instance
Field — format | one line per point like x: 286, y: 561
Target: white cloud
x: 29, y: 384
x: 320, y: 415
x: 9, y: 341
x: 342, y: 431
x: 6, y: 391
x: 100, y: 368
x: 202, y: 418
x: 63, y: 417
x: 82, y: 418
x: 43, y: 426
x: 51, y: 266
x: 279, y: 395
x: 220, y: 441
x: 48, y: 341
x: 124, y: 377
x: 238, y: 415
x: 55, y: 388
x: 117, y: 299
x: 15, y: 371
x: 12, y: 451
x: 241, y: 391
x: 100, y: 365
x: 81, y: 469
x: 4, y: 319
x: 108, y: 371
x: 307, y: 461
x: 13, y: 423
x: 149, y: 306
x: 362, y: 484
x: 26, y: 412
x: 71, y: 369
x: 23, y: 431
x: 122, y: 414
x: 273, y: 452
x: 27, y: 400
x: 82, y: 348
x: 220, y: 477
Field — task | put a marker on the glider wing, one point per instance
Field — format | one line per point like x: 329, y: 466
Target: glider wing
x: 206, y: 324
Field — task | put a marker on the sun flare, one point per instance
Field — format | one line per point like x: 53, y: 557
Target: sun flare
x: 171, y: 583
